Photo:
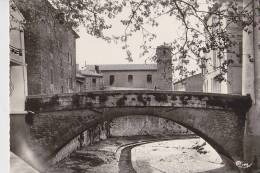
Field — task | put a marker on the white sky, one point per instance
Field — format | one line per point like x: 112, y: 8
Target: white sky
x: 91, y: 50
x: 97, y: 51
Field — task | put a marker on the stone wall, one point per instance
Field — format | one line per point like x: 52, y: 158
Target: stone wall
x: 88, y: 137
x: 41, y: 139
x: 50, y: 49
x: 145, y: 125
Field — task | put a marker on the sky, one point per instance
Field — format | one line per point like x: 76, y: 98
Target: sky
x: 97, y: 51
x: 92, y: 50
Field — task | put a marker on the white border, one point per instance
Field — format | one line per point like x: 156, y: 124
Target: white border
x: 4, y: 86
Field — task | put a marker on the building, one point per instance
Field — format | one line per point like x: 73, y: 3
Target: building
x: 80, y: 79
x: 232, y: 81
x: 89, y: 80
x: 50, y: 49
x: 18, y: 67
x: 139, y: 76
x: 190, y: 84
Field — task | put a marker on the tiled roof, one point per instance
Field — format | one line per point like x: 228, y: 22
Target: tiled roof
x: 87, y: 72
x: 124, y: 67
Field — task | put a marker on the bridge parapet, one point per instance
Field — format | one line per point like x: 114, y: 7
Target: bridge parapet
x: 137, y: 98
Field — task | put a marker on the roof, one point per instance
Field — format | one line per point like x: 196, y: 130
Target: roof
x: 79, y: 75
x: 125, y: 88
x: 190, y: 77
x: 124, y: 67
x: 75, y: 34
x: 87, y: 72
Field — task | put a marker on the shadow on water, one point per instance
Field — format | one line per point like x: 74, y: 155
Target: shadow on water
x: 125, y: 163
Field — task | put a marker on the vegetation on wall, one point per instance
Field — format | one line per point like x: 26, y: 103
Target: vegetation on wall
x: 141, y: 99
x: 160, y: 97
x: 121, y: 101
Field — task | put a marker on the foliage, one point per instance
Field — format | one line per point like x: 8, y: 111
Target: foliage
x: 141, y: 99
x: 160, y: 97
x: 121, y: 101
x: 199, y: 35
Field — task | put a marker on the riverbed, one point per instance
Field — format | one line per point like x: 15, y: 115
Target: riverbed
x: 144, y: 155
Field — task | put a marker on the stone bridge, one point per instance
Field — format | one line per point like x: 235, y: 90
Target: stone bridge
x: 58, y: 119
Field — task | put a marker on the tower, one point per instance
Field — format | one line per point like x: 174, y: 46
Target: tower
x: 164, y: 67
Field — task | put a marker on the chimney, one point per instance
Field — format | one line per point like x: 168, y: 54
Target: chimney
x: 97, y: 68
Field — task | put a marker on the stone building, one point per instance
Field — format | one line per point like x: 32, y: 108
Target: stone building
x: 190, y: 84
x: 18, y: 67
x: 50, y: 49
x: 139, y: 76
x: 232, y: 82
x: 89, y: 80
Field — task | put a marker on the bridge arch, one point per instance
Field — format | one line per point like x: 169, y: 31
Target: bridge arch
x: 219, y: 119
x: 224, y: 154
x: 223, y: 130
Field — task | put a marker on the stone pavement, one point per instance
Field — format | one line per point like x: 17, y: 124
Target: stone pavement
x: 17, y: 165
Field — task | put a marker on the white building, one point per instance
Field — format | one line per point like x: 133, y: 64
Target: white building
x: 138, y: 76
x: 232, y: 81
x: 18, y: 70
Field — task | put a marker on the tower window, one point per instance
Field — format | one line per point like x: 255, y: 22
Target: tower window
x: 130, y: 78
x: 111, y: 79
x: 149, y: 78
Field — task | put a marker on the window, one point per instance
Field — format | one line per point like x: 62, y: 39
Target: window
x: 52, y: 76
x: 111, y: 79
x: 70, y: 58
x: 130, y: 78
x: 149, y: 78
x: 94, y: 81
x: 62, y: 89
